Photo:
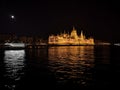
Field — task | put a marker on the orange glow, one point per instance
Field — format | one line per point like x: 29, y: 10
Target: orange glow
x: 72, y: 39
x: 73, y: 53
x: 72, y: 62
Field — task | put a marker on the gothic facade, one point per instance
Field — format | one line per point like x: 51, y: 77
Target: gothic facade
x: 70, y: 39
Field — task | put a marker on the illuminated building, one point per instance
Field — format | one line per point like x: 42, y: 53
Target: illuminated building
x: 70, y: 39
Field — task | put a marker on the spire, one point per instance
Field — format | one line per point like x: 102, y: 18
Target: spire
x: 73, y: 28
x: 64, y: 31
x: 81, y: 35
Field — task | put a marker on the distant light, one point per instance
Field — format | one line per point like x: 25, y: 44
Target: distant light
x: 117, y: 44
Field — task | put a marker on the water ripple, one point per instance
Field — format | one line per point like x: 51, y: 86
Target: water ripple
x: 14, y: 64
x: 72, y: 64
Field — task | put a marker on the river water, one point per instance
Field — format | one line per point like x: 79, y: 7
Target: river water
x: 60, y: 67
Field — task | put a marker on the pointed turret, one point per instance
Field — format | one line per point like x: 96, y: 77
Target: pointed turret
x: 64, y: 32
x: 82, y: 36
x: 73, y: 28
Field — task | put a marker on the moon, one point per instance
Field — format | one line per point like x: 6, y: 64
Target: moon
x: 12, y: 16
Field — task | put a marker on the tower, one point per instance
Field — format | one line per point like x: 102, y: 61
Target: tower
x: 74, y: 33
x: 82, y: 36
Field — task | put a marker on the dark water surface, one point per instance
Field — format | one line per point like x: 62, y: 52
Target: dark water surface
x: 60, y: 67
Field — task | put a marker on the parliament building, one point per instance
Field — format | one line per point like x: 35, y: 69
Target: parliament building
x: 70, y: 39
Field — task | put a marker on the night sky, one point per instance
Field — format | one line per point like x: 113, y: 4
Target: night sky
x: 99, y: 19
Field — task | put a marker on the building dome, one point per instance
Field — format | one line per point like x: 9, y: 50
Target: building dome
x: 74, y: 33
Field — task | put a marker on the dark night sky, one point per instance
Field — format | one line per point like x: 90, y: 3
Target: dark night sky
x: 97, y: 19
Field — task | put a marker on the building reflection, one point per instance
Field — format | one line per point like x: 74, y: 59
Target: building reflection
x: 72, y: 64
x: 71, y: 52
x: 14, y: 64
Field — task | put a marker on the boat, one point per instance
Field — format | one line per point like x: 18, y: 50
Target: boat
x: 14, y: 45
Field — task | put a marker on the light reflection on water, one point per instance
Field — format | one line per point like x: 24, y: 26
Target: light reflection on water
x: 14, y: 64
x: 58, y: 66
x: 72, y: 64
